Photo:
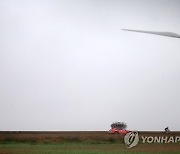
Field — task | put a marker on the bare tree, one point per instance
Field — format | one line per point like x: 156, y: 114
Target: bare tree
x: 119, y: 125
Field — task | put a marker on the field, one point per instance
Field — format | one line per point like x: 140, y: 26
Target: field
x: 79, y: 142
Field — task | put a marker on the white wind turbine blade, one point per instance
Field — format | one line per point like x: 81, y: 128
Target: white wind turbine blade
x: 169, y: 34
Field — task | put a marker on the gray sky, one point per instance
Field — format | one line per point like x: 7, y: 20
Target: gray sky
x: 67, y: 65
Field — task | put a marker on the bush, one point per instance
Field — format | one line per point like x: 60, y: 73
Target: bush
x: 119, y: 125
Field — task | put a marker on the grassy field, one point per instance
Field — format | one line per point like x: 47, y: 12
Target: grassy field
x: 79, y: 143
x: 79, y: 148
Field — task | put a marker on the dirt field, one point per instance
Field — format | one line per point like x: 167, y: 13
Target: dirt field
x: 95, y: 139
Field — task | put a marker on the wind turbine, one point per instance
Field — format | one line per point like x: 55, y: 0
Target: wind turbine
x: 168, y: 34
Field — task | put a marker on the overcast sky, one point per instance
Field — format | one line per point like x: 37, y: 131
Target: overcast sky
x: 67, y: 65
